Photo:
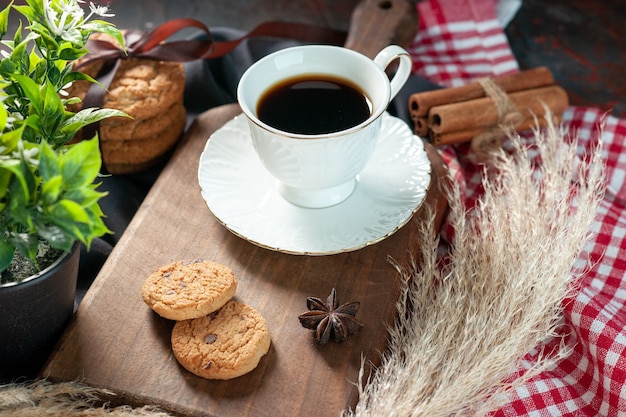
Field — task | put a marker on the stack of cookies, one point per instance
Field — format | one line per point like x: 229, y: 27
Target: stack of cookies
x: 214, y: 336
x: 149, y: 91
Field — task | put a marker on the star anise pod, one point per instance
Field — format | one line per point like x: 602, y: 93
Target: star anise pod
x: 329, y: 319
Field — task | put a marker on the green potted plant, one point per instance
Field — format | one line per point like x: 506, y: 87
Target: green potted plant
x: 49, y: 202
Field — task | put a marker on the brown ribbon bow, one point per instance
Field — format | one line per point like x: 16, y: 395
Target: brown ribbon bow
x: 153, y: 45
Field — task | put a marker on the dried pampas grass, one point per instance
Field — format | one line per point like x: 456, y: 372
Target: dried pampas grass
x: 466, y: 320
x: 64, y: 399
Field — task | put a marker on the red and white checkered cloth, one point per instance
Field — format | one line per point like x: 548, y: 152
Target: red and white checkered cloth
x: 459, y: 41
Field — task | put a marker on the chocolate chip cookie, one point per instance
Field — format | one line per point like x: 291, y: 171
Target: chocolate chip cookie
x: 223, y: 345
x: 189, y: 289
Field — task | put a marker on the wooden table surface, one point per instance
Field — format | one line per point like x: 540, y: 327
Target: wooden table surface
x: 116, y: 342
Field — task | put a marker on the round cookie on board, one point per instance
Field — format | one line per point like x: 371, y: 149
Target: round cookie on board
x: 189, y: 289
x: 223, y: 345
x: 214, y: 337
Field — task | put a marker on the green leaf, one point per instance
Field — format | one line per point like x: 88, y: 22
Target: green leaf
x: 37, y: 6
x: 72, y: 219
x: 98, y: 228
x: 4, y: 21
x: 54, y: 75
x: 81, y: 163
x: 29, y: 161
x: 26, y: 244
x: 95, y: 210
x: 107, y: 28
x: 27, y: 11
x: 88, y: 116
x: 35, y: 61
x: 77, y: 76
x: 15, y: 167
x: 11, y: 138
x: 45, y: 40
x: 18, y: 54
x: 31, y: 90
x: 5, y: 179
x: 35, y: 124
x: 86, y: 197
x: 53, y: 109
x: 69, y: 53
x: 17, y: 36
x: 16, y: 210
x: 69, y: 211
x: 71, y: 100
x: 57, y: 237
x: 6, y: 254
x: 8, y: 43
x: 38, y: 71
x: 7, y: 67
x: 3, y: 118
x: 48, y: 162
x: 51, y: 189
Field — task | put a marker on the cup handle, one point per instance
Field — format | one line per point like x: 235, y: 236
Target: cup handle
x: 386, y: 57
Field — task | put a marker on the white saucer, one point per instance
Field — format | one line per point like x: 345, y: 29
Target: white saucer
x: 244, y: 197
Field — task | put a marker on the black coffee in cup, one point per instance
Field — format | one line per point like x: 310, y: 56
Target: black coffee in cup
x: 313, y: 104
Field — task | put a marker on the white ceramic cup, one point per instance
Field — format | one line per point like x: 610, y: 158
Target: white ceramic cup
x: 320, y: 170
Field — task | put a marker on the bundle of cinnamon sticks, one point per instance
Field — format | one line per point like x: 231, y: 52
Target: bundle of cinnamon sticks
x: 459, y: 114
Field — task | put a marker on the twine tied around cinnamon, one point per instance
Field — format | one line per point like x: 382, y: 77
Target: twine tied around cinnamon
x: 484, y: 143
x: 488, y: 110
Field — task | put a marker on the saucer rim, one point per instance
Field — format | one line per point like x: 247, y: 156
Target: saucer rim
x: 342, y: 250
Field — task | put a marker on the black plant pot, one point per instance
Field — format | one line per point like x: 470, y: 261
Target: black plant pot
x: 33, y: 314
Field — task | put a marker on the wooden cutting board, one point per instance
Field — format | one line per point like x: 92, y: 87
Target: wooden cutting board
x: 116, y: 342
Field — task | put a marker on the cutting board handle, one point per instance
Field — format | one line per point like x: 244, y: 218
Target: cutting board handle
x: 375, y: 24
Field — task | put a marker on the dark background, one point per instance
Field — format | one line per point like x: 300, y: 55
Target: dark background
x: 583, y: 42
